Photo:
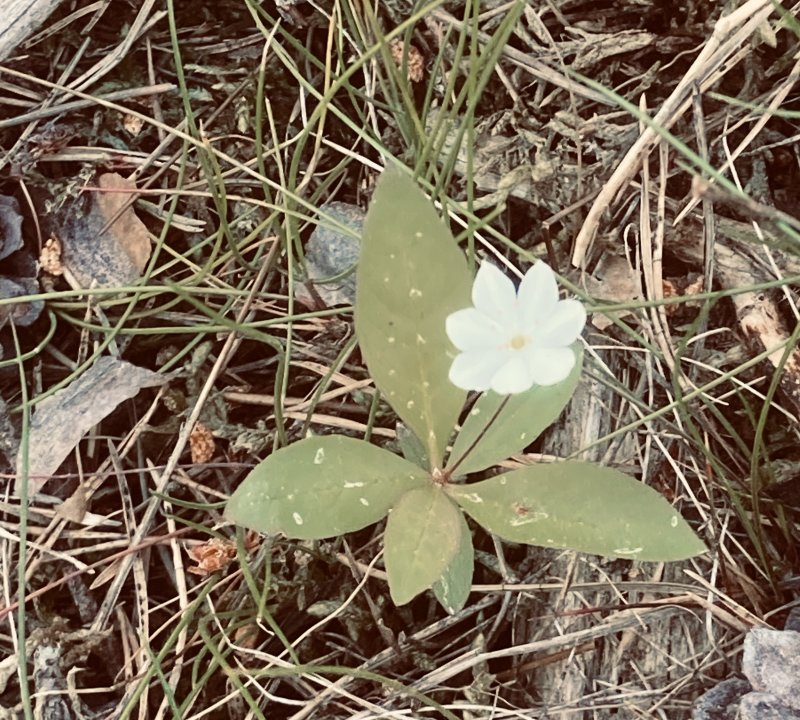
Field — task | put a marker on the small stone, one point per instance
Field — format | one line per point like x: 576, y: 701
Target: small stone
x: 10, y: 226
x: 721, y: 702
x: 23, y: 313
x: 793, y: 620
x: 331, y: 254
x: 771, y: 663
x: 765, y: 706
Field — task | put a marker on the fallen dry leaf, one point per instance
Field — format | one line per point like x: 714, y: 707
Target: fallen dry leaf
x: 61, y: 420
x: 613, y: 280
x: 105, y: 245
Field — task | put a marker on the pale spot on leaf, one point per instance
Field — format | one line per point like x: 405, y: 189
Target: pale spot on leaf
x: 319, y: 457
x: 674, y: 521
x: 297, y: 518
x: 390, y: 340
x: 418, y: 234
x: 529, y: 517
x: 517, y: 521
x: 421, y: 340
x: 475, y: 411
x: 627, y: 551
x: 364, y: 501
x: 415, y: 293
x: 472, y: 497
x: 353, y: 484
x: 410, y: 404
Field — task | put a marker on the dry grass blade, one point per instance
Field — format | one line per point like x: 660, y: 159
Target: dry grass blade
x: 730, y: 33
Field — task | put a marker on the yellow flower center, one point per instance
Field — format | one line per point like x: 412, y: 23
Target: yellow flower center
x: 518, y: 342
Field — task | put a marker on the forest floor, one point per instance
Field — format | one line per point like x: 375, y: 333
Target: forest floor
x: 647, y: 151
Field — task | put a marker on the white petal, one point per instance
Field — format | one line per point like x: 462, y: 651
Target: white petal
x: 513, y: 377
x: 548, y: 366
x: 563, y: 326
x: 470, y: 329
x: 493, y: 293
x: 474, y: 369
x: 538, y: 294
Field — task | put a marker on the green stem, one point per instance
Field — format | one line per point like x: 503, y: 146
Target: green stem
x: 23, y: 480
x: 480, y: 436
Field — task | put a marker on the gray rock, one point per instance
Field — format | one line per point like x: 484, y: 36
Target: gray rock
x: 765, y: 706
x: 23, y: 313
x: 332, y: 254
x: 793, y: 620
x: 771, y: 663
x: 721, y: 702
x: 10, y: 226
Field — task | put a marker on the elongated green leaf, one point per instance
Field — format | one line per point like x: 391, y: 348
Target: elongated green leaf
x: 321, y: 487
x: 580, y: 506
x: 411, y: 446
x: 422, y: 537
x: 520, y: 422
x: 410, y: 277
x: 452, y: 588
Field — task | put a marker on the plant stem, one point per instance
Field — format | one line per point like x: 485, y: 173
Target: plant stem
x: 480, y: 435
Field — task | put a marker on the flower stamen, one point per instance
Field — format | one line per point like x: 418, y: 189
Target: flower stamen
x: 518, y: 342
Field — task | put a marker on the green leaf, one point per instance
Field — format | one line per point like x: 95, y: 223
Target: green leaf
x: 321, y: 487
x: 422, y: 536
x: 452, y: 588
x: 580, y: 506
x: 411, y: 276
x: 411, y: 446
x: 520, y: 422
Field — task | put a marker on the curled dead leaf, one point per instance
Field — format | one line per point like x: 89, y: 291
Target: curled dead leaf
x: 681, y: 288
x: 201, y: 443
x: 132, y: 123
x: 50, y: 257
x: 212, y: 556
x: 415, y: 63
x: 215, y: 555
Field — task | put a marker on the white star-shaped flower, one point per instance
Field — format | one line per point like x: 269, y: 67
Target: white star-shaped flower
x: 512, y: 340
